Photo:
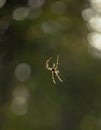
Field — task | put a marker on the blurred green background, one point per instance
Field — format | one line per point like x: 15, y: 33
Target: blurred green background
x: 31, y: 31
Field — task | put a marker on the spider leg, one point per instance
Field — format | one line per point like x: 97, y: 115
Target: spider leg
x: 47, y: 64
x: 57, y: 61
x: 53, y: 77
x: 57, y: 74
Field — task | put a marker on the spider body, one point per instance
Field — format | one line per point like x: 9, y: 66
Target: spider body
x: 54, y: 69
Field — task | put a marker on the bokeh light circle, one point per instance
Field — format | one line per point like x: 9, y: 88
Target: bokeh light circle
x: 20, y: 13
x: 23, y: 72
x: 2, y: 3
x: 36, y: 3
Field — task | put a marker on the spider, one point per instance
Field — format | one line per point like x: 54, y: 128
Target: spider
x: 54, y: 69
